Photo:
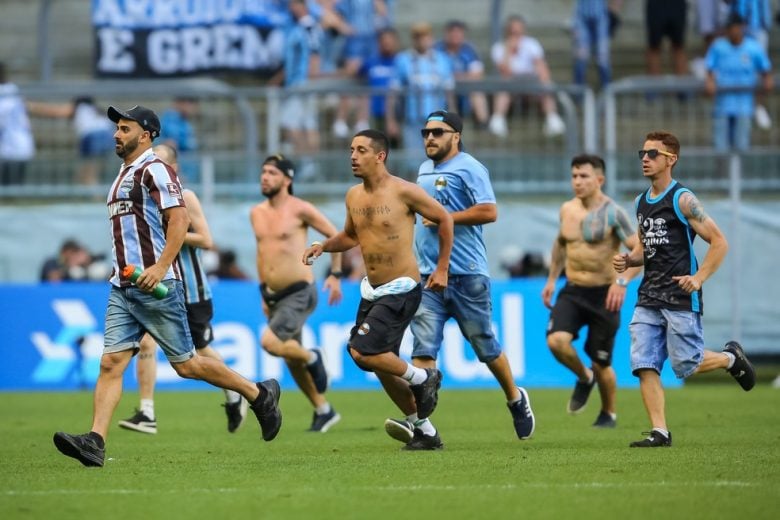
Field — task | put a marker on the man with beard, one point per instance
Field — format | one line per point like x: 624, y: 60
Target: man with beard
x: 462, y: 185
x: 149, y: 221
x: 281, y: 225
x: 381, y: 213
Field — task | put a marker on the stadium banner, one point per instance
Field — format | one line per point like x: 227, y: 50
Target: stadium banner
x: 53, y: 339
x: 172, y: 38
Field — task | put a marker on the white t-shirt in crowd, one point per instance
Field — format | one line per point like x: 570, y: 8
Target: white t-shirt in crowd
x: 521, y: 62
x: 16, y: 138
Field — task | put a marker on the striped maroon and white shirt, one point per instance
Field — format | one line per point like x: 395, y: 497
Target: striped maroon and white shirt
x: 139, y: 194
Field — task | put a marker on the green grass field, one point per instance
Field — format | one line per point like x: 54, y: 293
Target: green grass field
x: 724, y: 462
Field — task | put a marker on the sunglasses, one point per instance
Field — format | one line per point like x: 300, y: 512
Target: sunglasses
x: 435, y: 132
x: 652, y: 153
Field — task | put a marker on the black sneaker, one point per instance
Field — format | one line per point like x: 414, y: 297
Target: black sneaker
x: 318, y: 373
x: 742, y: 370
x: 399, y: 429
x: 655, y: 439
x: 266, y: 408
x: 426, y: 394
x: 523, y: 416
x: 235, y: 413
x: 140, y: 422
x: 605, y: 420
x: 322, y: 422
x: 420, y: 441
x: 83, y: 447
x: 579, y: 397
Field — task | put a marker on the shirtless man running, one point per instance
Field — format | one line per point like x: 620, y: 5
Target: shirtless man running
x: 380, y: 219
x: 287, y: 288
x: 591, y: 231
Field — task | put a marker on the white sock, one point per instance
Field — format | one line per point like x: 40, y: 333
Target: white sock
x: 412, y: 418
x: 147, y: 407
x: 312, y: 358
x: 663, y: 432
x: 426, y: 426
x: 323, y: 409
x: 231, y: 396
x: 732, y: 358
x: 415, y: 375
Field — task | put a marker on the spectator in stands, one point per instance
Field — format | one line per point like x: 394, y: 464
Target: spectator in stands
x: 74, y: 263
x: 425, y: 76
x: 301, y: 65
x: 178, y: 132
x: 591, y: 33
x: 666, y: 18
x: 16, y: 139
x: 735, y: 61
x: 378, y: 72
x: 365, y: 17
x: 710, y: 17
x: 521, y: 57
x: 758, y: 20
x: 466, y: 66
x: 93, y: 131
x: 334, y: 34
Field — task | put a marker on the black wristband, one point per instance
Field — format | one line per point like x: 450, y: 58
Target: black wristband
x: 336, y: 274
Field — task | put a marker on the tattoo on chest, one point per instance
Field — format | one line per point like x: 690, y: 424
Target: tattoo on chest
x: 370, y: 211
x: 379, y: 259
x: 595, y: 225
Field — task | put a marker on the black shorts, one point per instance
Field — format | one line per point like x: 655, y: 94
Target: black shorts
x: 577, y: 306
x: 665, y: 18
x: 380, y: 325
x: 199, y: 317
x: 288, y: 308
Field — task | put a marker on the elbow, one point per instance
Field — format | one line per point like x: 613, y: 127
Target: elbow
x: 491, y: 216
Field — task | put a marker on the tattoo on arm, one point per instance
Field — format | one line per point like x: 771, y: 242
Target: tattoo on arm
x: 695, y: 208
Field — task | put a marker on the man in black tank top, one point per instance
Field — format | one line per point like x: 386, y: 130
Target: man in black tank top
x: 667, y: 318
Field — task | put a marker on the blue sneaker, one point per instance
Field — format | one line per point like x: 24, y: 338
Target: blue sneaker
x: 323, y: 422
x: 523, y: 416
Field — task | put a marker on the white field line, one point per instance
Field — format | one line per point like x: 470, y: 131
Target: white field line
x: 420, y: 487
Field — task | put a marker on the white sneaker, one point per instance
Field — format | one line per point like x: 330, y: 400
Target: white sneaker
x: 554, y: 125
x: 761, y: 116
x: 698, y: 68
x: 497, y: 126
x: 340, y: 129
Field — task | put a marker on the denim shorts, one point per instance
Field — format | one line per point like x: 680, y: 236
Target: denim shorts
x: 467, y: 299
x: 657, y: 334
x: 131, y: 312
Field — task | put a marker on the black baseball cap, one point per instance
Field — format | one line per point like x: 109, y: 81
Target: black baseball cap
x: 284, y: 165
x: 450, y: 118
x: 141, y: 115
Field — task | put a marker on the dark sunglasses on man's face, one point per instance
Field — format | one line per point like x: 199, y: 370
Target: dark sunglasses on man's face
x: 652, y: 153
x: 435, y: 132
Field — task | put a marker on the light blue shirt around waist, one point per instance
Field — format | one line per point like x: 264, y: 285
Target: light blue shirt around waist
x: 457, y: 184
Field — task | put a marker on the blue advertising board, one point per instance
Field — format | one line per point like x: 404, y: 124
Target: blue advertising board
x: 52, y: 339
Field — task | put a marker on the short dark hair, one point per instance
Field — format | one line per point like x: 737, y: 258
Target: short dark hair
x: 379, y: 141
x: 668, y: 139
x: 586, y: 158
x: 456, y: 24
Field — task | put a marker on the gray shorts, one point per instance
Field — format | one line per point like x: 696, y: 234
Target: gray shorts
x: 289, y: 308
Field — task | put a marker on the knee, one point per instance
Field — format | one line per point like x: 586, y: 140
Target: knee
x: 272, y: 346
x: 112, y: 364
x: 187, y: 369
x: 557, y: 342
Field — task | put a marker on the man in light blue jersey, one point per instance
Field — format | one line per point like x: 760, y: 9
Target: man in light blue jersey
x: 149, y: 220
x: 200, y: 310
x: 424, y: 75
x: 462, y: 185
x: 735, y: 62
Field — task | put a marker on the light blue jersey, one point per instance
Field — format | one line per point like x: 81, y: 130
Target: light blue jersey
x: 303, y: 39
x: 736, y: 66
x: 457, y: 184
x: 428, y: 77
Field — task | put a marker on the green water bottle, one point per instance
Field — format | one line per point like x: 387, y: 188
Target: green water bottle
x: 131, y: 272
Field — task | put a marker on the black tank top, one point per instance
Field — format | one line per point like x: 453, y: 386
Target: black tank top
x: 668, y: 243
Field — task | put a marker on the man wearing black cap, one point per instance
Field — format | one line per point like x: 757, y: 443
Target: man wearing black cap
x: 150, y: 241
x: 462, y: 185
x: 287, y: 287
